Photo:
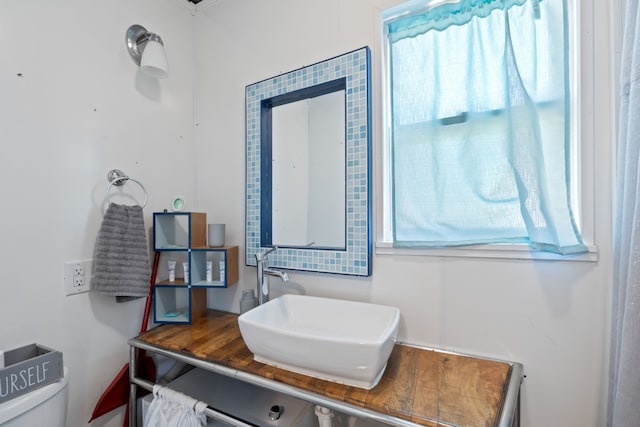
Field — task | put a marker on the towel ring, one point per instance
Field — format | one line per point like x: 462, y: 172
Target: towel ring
x: 118, y: 178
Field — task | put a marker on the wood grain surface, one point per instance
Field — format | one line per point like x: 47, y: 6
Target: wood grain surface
x: 424, y: 386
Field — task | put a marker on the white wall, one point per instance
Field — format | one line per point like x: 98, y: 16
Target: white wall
x: 78, y: 110
x: 551, y: 316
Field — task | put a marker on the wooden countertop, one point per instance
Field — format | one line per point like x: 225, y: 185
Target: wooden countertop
x: 426, y: 387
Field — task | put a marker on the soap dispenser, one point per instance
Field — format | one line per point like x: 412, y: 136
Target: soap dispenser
x: 248, y: 301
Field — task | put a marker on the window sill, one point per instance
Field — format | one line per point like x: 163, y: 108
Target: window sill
x: 501, y: 251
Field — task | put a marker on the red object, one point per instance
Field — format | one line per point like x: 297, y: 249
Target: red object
x: 117, y: 393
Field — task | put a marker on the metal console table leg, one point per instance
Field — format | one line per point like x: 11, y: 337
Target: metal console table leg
x: 133, y: 403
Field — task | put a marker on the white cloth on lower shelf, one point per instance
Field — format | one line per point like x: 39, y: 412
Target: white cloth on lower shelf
x: 170, y: 408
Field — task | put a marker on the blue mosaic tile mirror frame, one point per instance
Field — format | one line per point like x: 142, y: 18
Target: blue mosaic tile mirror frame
x: 355, y: 259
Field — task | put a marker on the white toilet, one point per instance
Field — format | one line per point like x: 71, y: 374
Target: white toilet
x: 46, y: 406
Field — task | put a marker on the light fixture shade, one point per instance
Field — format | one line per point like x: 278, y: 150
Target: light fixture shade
x: 154, y: 60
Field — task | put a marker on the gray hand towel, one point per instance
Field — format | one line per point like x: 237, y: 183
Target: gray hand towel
x: 121, y: 266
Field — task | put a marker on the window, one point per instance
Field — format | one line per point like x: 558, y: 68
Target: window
x: 480, y: 118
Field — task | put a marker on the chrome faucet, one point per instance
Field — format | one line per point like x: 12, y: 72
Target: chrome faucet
x: 264, y: 271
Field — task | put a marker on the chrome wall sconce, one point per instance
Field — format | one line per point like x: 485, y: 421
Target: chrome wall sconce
x: 147, y: 51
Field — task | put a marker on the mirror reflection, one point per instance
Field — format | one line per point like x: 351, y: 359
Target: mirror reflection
x: 308, y: 166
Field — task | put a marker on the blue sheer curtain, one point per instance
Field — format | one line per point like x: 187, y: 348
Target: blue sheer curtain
x: 624, y: 380
x: 480, y: 126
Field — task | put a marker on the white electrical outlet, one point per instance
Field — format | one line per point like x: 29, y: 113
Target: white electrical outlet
x: 77, y: 276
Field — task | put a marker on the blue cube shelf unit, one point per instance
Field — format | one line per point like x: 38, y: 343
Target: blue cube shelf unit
x: 181, y: 237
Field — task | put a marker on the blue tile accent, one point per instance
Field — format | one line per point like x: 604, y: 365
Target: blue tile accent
x: 356, y: 259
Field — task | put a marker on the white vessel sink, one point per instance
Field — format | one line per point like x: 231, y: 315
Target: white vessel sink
x: 342, y: 341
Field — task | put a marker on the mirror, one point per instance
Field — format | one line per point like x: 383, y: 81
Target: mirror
x: 308, y: 163
x: 304, y: 204
x: 308, y: 185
